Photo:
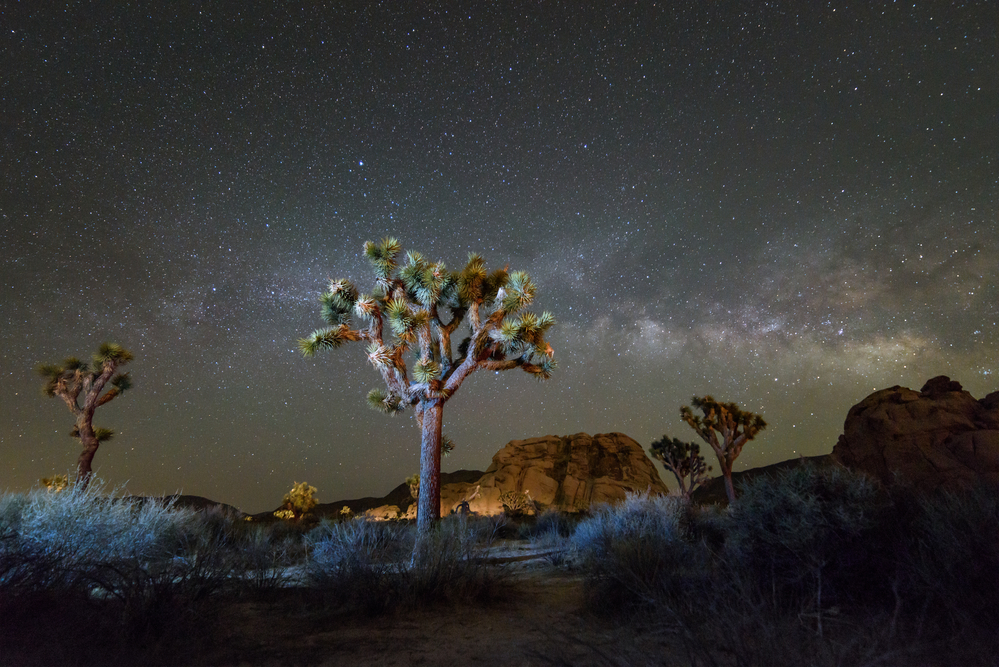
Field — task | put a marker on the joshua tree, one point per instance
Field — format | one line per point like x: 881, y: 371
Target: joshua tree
x: 73, y: 378
x: 726, y: 419
x: 684, y: 460
x: 423, y: 304
x: 298, y: 502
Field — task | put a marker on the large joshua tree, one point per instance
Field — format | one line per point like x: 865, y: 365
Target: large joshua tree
x: 415, y: 310
x: 74, y: 379
x: 735, y: 426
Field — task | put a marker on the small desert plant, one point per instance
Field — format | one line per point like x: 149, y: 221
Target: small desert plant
x: 637, y: 551
x: 516, y: 503
x: 55, y: 483
x: 351, y: 561
x: 413, y: 482
x: 298, y: 502
x: 550, y: 520
x: 486, y: 529
x: 446, y: 567
x: 949, y: 572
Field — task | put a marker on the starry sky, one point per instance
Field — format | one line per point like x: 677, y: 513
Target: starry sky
x: 787, y: 205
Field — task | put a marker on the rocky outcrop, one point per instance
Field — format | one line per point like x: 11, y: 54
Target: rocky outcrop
x: 567, y: 472
x: 937, y: 437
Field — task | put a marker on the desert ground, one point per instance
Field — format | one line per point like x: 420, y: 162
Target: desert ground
x: 539, y: 617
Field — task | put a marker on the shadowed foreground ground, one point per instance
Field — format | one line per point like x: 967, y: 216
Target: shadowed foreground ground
x: 539, y: 618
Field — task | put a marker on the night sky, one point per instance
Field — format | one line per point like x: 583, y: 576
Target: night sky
x: 788, y: 205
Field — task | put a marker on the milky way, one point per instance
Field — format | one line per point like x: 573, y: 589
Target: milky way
x: 787, y: 205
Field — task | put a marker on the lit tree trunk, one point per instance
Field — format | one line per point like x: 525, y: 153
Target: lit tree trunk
x: 729, y: 487
x: 429, y: 503
x: 84, y: 471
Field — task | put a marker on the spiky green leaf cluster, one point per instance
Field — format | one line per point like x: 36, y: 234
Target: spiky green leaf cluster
x: 379, y: 355
x: 519, y: 292
x: 102, y: 434
x: 474, y: 285
x: 447, y: 445
x: 337, y: 304
x: 122, y: 382
x: 426, y: 370
x: 383, y: 257
x: 365, y: 307
x: 74, y: 364
x: 525, y: 333
x: 429, y: 284
x: 329, y: 338
x: 387, y: 402
x: 542, y: 368
x: 111, y: 352
x: 404, y: 320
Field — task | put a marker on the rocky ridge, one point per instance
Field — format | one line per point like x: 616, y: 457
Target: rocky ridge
x: 940, y: 436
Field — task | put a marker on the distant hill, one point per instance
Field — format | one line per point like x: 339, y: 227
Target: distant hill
x: 713, y: 492
x: 194, y: 503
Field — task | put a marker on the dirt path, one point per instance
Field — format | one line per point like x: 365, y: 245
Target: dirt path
x: 541, y: 619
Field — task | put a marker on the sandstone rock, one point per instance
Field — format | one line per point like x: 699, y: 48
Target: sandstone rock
x: 938, y: 436
x: 567, y: 472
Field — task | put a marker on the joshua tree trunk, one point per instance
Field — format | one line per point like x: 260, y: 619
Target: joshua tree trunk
x: 90, y: 443
x: 429, y: 503
x: 729, y: 487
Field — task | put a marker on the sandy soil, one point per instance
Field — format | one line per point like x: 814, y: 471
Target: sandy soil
x: 540, y: 619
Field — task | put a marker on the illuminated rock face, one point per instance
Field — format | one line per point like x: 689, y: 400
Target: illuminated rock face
x: 567, y: 472
x: 937, y: 437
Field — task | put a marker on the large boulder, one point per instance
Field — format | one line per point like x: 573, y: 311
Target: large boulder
x: 569, y: 473
x: 937, y: 437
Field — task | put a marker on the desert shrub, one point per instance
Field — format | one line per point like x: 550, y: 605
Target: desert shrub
x: 517, y: 504
x: 551, y: 533
x: 351, y: 562
x: 809, y: 533
x: 373, y: 566
x: 556, y: 549
x: 687, y: 568
x: 445, y: 566
x: 638, y: 553
x: 486, y: 529
x: 89, y: 577
x: 949, y: 571
x: 549, y: 520
x: 67, y: 539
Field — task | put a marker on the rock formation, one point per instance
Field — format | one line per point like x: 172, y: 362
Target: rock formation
x: 937, y: 437
x: 565, y: 472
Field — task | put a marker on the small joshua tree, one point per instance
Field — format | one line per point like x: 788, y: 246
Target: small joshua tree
x: 55, y: 483
x: 736, y: 427
x: 298, y: 502
x: 423, y: 305
x: 684, y: 460
x: 73, y: 379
